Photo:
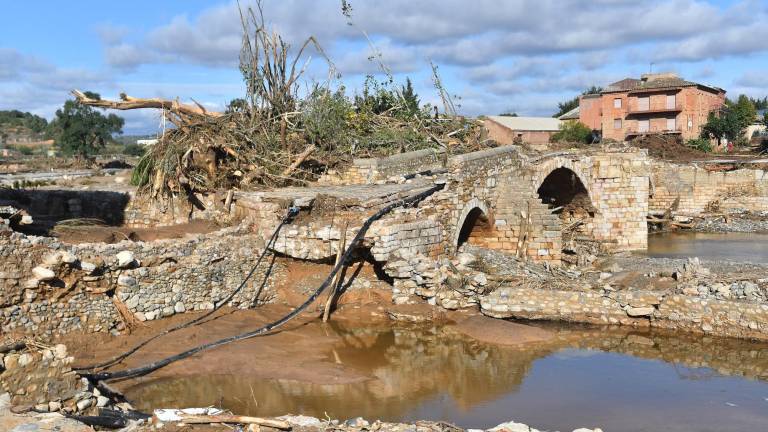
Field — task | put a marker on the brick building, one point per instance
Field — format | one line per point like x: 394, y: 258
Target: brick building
x: 654, y: 104
x: 535, y: 131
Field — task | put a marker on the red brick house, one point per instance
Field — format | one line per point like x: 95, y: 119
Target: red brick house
x: 654, y: 104
x: 507, y: 130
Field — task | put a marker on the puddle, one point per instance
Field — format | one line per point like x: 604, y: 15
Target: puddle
x: 743, y: 247
x: 593, y: 377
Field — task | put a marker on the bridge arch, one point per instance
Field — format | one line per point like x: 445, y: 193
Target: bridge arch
x: 563, y: 187
x: 549, y: 167
x: 474, y: 224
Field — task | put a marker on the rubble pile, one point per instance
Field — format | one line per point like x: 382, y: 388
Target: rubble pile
x: 51, y: 288
x: 41, y: 379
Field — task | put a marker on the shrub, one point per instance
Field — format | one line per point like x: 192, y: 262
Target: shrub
x: 573, y: 132
x: 134, y: 150
x: 701, y: 144
x: 324, y: 115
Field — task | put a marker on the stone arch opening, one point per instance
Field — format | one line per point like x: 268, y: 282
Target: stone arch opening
x: 476, y: 229
x: 566, y: 196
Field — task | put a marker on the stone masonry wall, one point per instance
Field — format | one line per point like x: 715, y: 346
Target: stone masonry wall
x: 644, y: 309
x: 697, y: 189
x: 51, y: 288
x: 368, y: 171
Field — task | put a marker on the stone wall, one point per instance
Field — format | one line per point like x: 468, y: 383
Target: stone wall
x: 51, y: 288
x: 43, y: 380
x: 696, y: 189
x: 737, y: 318
x: 371, y: 170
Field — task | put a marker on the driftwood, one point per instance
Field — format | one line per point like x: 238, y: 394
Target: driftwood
x: 337, y: 279
x: 236, y: 419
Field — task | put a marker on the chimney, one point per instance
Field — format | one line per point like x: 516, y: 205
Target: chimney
x: 656, y: 76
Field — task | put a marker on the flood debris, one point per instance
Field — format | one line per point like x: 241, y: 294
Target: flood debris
x: 279, y: 133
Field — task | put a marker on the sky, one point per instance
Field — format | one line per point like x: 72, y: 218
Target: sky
x: 497, y: 56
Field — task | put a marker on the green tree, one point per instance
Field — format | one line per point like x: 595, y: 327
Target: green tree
x: 81, y: 130
x: 745, y: 110
x: 410, y: 98
x: 723, y: 124
x: 573, y: 132
x: 508, y: 114
x: 760, y: 104
x: 565, y: 106
x: 237, y: 105
x: 731, y: 121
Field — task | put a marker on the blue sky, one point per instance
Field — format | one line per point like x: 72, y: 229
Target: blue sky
x: 522, y: 55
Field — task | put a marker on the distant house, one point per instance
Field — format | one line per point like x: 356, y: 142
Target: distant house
x: 147, y: 142
x: 572, y: 115
x: 532, y: 130
x: 654, y: 104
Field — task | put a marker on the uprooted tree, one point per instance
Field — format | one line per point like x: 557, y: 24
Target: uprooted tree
x: 286, y: 130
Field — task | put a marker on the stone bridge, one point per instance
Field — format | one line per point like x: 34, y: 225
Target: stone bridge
x: 497, y: 198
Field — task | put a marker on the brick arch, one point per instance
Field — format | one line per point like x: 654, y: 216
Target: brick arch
x: 470, y: 205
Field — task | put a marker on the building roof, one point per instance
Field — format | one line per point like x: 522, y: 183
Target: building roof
x: 528, y: 123
x: 659, y: 81
x: 570, y: 115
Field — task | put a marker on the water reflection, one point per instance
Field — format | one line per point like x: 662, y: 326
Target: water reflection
x: 748, y: 247
x: 437, y: 373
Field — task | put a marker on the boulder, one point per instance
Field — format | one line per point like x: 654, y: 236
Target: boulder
x: 640, y: 311
x: 68, y: 257
x: 60, y: 351
x: 126, y: 281
x: 87, y: 267
x: 125, y: 259
x: 43, y: 274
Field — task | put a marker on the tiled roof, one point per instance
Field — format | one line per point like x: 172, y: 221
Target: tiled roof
x: 528, y: 123
x: 570, y: 115
x: 623, y: 85
x: 653, y: 83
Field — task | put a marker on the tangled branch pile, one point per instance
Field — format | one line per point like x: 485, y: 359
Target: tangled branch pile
x: 281, y: 133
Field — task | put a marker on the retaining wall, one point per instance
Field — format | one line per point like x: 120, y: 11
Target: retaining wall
x: 698, y: 189
x: 743, y: 319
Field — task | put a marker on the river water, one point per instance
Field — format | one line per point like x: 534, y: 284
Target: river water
x: 615, y: 379
x: 742, y: 247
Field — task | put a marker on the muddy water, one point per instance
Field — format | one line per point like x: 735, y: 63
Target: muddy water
x: 594, y: 377
x: 743, y: 247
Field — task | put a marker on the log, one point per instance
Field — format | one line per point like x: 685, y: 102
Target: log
x: 337, y: 279
x: 236, y: 419
x: 129, y: 103
x: 299, y: 159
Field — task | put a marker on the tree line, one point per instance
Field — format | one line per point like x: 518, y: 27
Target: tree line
x: 77, y: 130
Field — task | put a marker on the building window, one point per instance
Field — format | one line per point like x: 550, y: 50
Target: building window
x: 643, y: 126
x: 671, y: 100
x: 617, y: 123
x: 671, y: 124
x: 643, y: 103
x: 617, y: 103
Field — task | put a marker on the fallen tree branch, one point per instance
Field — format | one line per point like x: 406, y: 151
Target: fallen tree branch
x: 299, y: 159
x: 237, y: 419
x: 129, y: 103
